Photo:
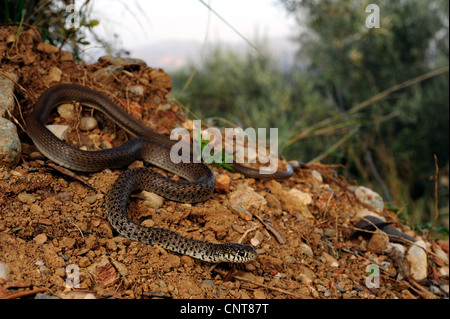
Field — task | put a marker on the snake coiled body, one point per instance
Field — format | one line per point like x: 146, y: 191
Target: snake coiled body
x: 149, y: 146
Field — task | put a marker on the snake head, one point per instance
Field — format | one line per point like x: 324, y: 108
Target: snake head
x: 237, y: 253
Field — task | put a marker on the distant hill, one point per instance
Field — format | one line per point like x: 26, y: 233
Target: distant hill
x: 172, y: 55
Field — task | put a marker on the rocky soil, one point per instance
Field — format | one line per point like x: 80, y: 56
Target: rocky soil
x: 55, y: 240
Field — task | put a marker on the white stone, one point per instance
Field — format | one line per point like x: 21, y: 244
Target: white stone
x: 4, y: 271
x: 304, y: 197
x: 152, y: 200
x: 66, y: 110
x: 417, y: 259
x: 316, y: 174
x: 247, y: 198
x: 88, y: 123
x: 367, y: 196
x: 60, y: 131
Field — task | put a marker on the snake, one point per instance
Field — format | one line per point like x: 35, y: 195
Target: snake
x: 150, y: 147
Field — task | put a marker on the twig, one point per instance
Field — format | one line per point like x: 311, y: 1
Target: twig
x: 436, y: 209
x: 272, y: 230
x: 25, y: 293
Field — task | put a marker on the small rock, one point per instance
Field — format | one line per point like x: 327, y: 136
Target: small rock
x: 35, y: 209
x: 246, y: 197
x: 257, y: 239
x: 54, y: 75
x: 378, y: 242
x: 304, y: 197
x: 7, y: 101
x: 66, y: 110
x: 137, y: 90
x: 306, y: 250
x: 26, y: 198
x: 40, y: 239
x: 289, y: 260
x: 148, y: 223
x: 92, y: 199
x: 316, y: 174
x: 207, y: 283
x: 47, y: 48
x: 152, y: 200
x: 60, y: 131
x: 43, y: 296
x: 88, y: 123
x: 417, y: 259
x: 4, y: 271
x: 222, y: 183
x: 330, y: 260
x: 10, y: 146
x: 367, y: 196
x: 329, y: 232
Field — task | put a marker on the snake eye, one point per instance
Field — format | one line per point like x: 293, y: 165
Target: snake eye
x: 242, y: 253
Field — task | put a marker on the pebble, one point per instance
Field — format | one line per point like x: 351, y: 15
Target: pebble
x: 367, y: 196
x: 417, y: 259
x: 152, y: 200
x: 92, y: 199
x: 246, y: 197
x: 60, y: 131
x: 207, y: 283
x: 7, y: 101
x: 257, y: 239
x: 66, y: 110
x: 47, y: 48
x: 330, y: 260
x: 306, y: 250
x: 40, y: 239
x: 4, y: 271
x: 137, y: 89
x: 88, y: 123
x: 378, y: 242
x: 43, y: 296
x: 10, y: 146
x: 304, y: 197
x: 26, y: 198
x: 54, y: 75
x: 316, y: 174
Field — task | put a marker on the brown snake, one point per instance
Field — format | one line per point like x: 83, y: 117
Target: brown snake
x: 150, y: 147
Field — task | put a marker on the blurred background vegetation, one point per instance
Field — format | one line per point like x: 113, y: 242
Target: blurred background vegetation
x: 374, y: 100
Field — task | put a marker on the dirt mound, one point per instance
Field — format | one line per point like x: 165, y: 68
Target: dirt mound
x: 55, y: 239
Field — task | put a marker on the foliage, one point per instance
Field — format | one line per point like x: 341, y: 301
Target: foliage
x: 58, y: 22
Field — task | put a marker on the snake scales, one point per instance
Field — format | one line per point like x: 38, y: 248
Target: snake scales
x: 151, y: 147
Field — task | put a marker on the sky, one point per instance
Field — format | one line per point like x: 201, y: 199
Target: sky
x: 151, y: 29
